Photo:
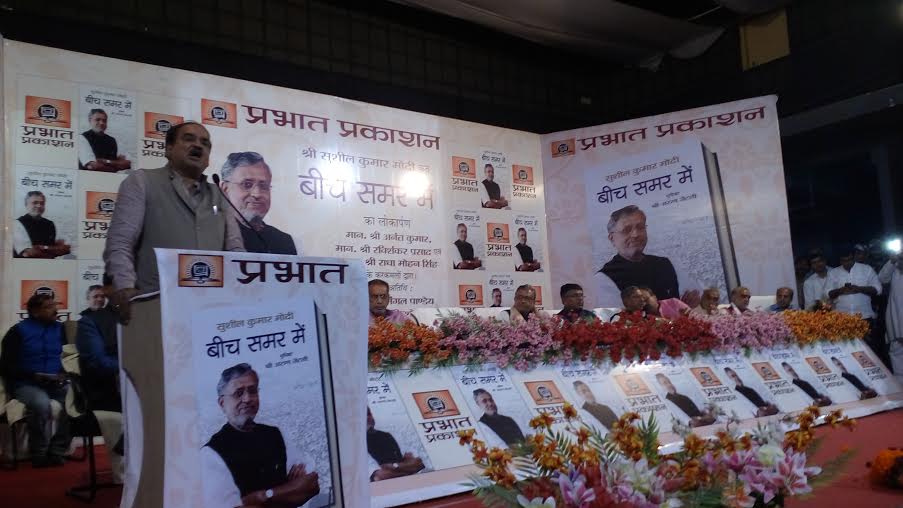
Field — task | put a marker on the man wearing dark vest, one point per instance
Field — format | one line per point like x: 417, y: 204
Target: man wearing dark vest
x: 171, y: 207
x: 34, y: 236
x: 386, y: 460
x: 865, y: 392
x: 818, y: 399
x: 631, y: 266
x: 697, y: 418
x: 525, y: 254
x: 98, y: 351
x: 463, y: 257
x: 602, y: 413
x: 763, y: 408
x: 32, y: 370
x: 246, y: 179
x: 248, y: 463
x: 491, y: 193
x: 97, y: 150
x: 500, y: 430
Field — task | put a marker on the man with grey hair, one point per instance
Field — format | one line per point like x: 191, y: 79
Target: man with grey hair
x: 247, y: 463
x: 630, y: 266
x: 246, y: 180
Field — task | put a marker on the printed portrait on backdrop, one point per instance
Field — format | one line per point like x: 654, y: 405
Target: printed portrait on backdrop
x: 246, y: 179
x: 528, y: 252
x: 498, y: 428
x: 491, y: 194
x: 501, y: 288
x: 45, y: 135
x: 501, y: 415
x: 108, y: 132
x: 46, y: 210
x: 470, y: 295
x: 467, y: 249
x: 817, y: 396
x: 393, y: 447
x: 522, y: 182
x: 755, y: 397
x: 544, y: 392
x: 602, y: 413
x: 263, y: 424
x: 682, y: 399
x: 654, y: 224
x: 865, y: 391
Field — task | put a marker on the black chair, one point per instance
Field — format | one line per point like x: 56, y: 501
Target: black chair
x: 83, y: 424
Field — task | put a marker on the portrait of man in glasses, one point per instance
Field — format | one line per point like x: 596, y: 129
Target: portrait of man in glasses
x: 247, y: 182
x: 631, y: 266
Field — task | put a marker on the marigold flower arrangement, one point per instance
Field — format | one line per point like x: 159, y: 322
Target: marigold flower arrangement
x: 887, y: 468
x: 808, y: 327
x: 579, y: 468
x: 390, y: 345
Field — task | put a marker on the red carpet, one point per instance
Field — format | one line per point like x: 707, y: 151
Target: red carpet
x: 46, y: 488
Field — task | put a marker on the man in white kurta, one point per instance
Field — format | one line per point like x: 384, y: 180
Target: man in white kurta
x: 892, y: 273
x: 248, y: 463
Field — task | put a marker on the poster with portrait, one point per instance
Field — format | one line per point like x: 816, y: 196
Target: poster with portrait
x: 754, y: 399
x: 45, y: 125
x: 257, y: 370
x: 789, y: 378
x: 501, y: 416
x: 107, y: 134
x: 595, y: 394
x: 541, y: 389
x: 817, y: 357
x: 468, y: 251
x: 392, y: 441
x: 494, y: 180
x: 465, y: 185
x: 501, y: 288
x: 528, y: 253
x: 718, y: 387
x: 674, y: 382
x: 665, y: 221
x: 870, y: 371
x: 498, y: 242
x: 640, y: 395
x: 438, y: 411
x: 249, y: 369
x: 46, y: 214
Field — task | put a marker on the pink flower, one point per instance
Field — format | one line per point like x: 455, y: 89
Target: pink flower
x: 574, y: 491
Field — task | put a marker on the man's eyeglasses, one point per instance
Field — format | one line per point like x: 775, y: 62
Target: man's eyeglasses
x: 238, y: 394
x: 639, y: 228
x: 247, y: 185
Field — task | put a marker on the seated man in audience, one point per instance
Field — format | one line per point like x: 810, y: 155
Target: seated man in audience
x: 98, y: 351
x: 246, y: 463
x: 817, y: 398
x: 572, y: 302
x: 634, y: 300
x: 740, y: 296
x: 865, y: 392
x: 762, y: 408
x: 524, y: 306
x: 32, y: 369
x: 463, y: 257
x: 378, y: 290
x: 697, y: 418
x: 602, y: 413
x: 386, y: 460
x: 499, y: 430
x: 783, y: 300
x: 708, y: 304
x: 669, y: 308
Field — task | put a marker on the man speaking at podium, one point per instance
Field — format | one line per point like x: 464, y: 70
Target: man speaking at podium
x: 171, y: 207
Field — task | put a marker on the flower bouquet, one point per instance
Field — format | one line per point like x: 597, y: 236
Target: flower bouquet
x: 808, y: 327
x: 471, y: 339
x: 580, y: 468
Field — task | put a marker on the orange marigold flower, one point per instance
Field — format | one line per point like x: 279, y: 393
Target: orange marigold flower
x: 542, y: 421
x: 466, y: 436
x: 569, y: 411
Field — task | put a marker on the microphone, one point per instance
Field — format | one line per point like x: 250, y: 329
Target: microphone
x: 216, y: 182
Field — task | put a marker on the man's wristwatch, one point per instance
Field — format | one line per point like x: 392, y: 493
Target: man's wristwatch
x: 268, y: 493
x: 395, y: 466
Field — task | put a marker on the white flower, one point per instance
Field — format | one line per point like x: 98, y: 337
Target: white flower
x: 536, y: 502
x: 769, y: 454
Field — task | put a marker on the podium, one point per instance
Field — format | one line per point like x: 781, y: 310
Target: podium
x: 296, y: 328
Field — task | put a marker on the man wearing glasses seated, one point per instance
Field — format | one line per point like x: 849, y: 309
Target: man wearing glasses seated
x: 246, y: 180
